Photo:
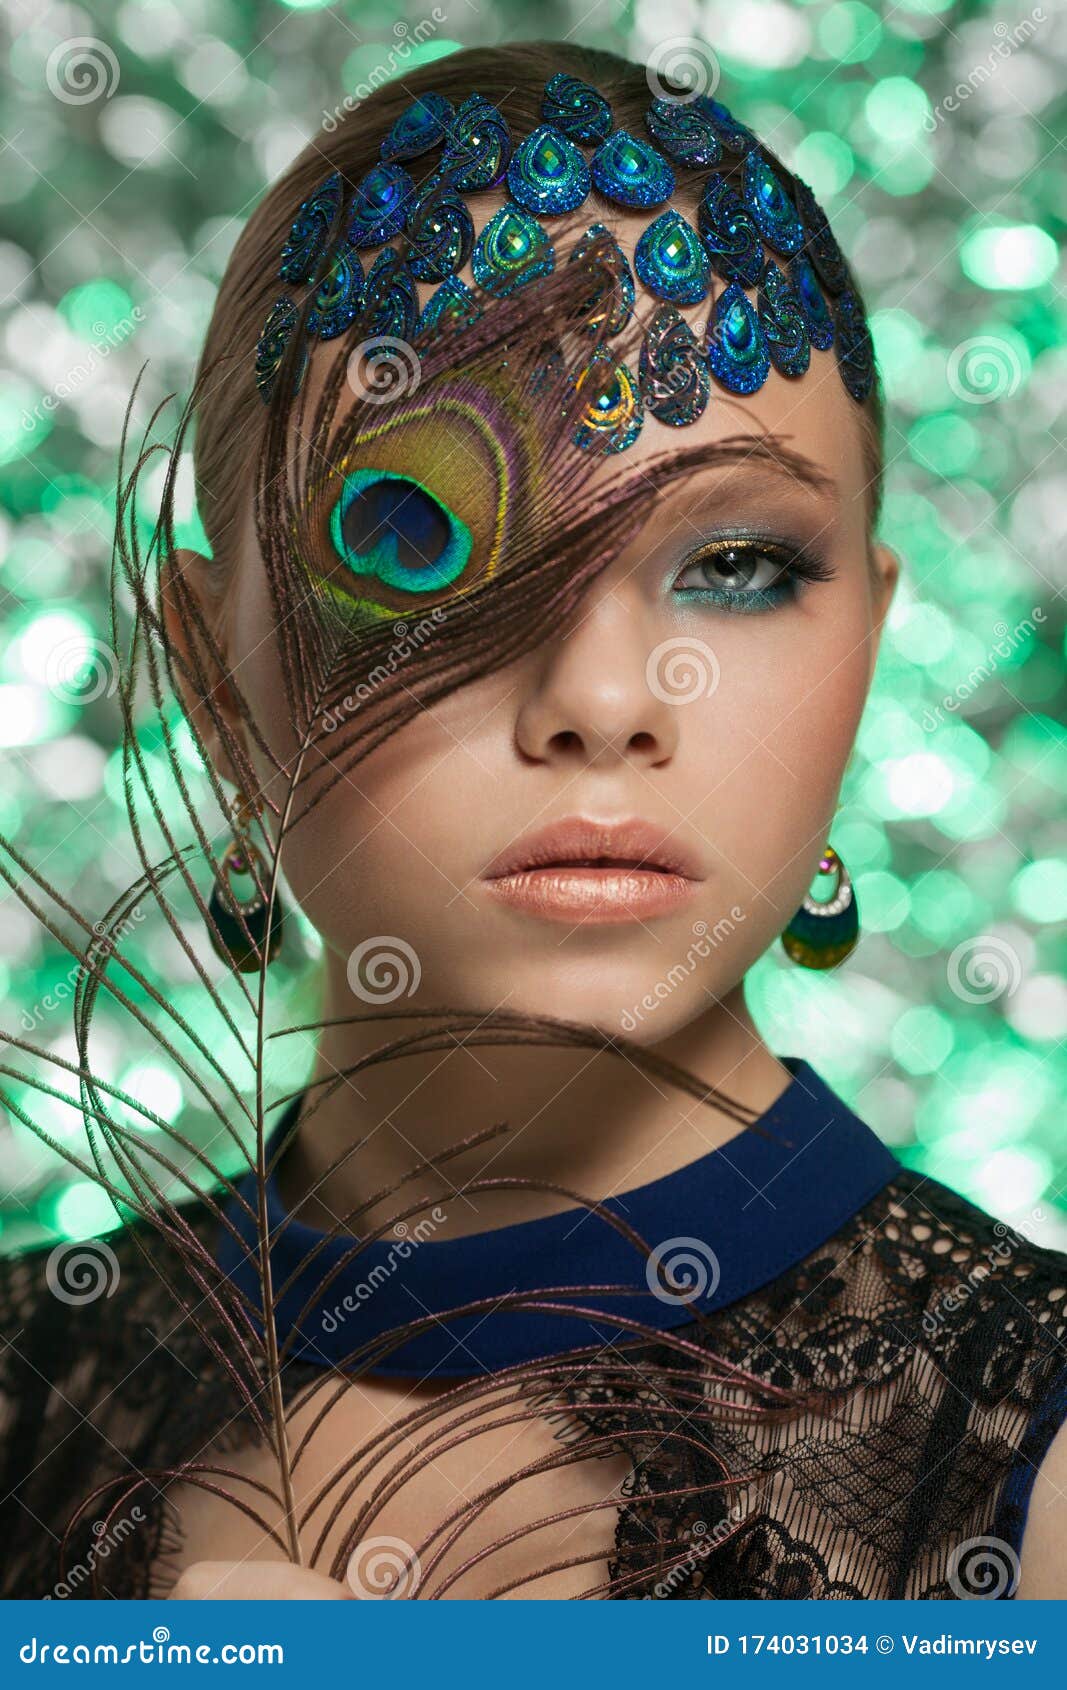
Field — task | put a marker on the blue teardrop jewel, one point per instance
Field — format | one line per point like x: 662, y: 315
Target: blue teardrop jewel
x: 820, y: 243
x: 452, y: 305
x: 339, y: 296
x: 613, y: 412
x: 613, y: 299
x: 575, y: 108
x: 440, y: 232
x: 672, y: 261
x: 418, y: 129
x: 816, y: 311
x: 775, y: 214
x: 547, y: 174
x: 672, y: 373
x: 735, y: 136
x: 511, y: 249
x: 855, y: 353
x: 390, y: 299
x: 277, y: 332
x: 310, y: 233
x: 736, y: 350
x: 684, y: 131
x: 630, y: 171
x: 479, y: 146
x: 729, y: 233
x: 782, y: 322
x: 380, y: 205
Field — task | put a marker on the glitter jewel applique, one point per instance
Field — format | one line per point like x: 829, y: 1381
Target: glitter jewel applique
x: 452, y: 305
x: 579, y: 111
x: 380, y: 205
x: 511, y: 249
x: 615, y: 299
x: 479, y: 146
x: 774, y: 212
x: 339, y: 296
x: 735, y: 137
x: 684, y: 131
x: 310, y: 233
x: 390, y: 299
x: 736, y: 350
x: 672, y: 374
x: 440, y: 231
x: 631, y: 172
x: 277, y: 332
x: 817, y: 316
x: 613, y: 412
x: 729, y: 233
x: 671, y: 260
x: 855, y: 353
x: 547, y: 174
x: 782, y: 322
x: 820, y: 243
x: 418, y: 129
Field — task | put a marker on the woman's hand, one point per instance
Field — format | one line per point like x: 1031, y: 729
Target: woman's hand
x: 256, y: 1581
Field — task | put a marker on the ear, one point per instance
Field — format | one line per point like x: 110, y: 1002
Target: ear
x: 885, y: 573
x: 201, y: 671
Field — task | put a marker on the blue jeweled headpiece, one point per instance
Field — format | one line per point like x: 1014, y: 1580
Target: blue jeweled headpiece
x: 758, y: 238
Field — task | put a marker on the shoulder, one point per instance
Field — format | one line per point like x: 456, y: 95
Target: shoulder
x: 969, y: 1269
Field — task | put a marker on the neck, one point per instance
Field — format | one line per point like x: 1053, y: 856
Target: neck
x: 590, y: 1120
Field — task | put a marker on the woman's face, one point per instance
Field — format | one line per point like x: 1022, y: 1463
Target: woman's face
x: 703, y: 698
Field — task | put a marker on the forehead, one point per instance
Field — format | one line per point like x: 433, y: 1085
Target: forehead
x: 811, y: 414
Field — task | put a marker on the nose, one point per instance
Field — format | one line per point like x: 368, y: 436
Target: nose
x: 588, y: 702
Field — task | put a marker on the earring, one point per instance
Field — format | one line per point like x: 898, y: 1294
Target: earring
x: 238, y: 927
x: 822, y: 934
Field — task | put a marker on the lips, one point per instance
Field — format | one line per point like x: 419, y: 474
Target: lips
x: 582, y: 870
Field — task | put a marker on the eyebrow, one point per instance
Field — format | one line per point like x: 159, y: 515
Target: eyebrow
x: 762, y: 457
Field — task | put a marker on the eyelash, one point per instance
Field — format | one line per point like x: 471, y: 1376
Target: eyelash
x: 794, y: 566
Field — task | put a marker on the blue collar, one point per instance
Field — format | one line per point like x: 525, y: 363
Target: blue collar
x: 721, y: 1227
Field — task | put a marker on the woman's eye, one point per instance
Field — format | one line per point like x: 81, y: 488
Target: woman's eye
x: 744, y: 575
x: 393, y: 529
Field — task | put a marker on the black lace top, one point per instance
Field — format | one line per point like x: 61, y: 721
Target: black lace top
x: 924, y: 1339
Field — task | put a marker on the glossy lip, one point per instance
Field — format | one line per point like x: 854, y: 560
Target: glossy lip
x: 582, y: 870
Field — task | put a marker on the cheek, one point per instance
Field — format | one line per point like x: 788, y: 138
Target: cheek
x: 767, y: 753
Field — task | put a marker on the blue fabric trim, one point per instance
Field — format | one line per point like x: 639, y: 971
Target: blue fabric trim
x: 1014, y: 1506
x: 758, y: 1205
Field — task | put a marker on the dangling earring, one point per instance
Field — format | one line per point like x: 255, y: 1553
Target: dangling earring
x: 238, y: 927
x: 821, y: 935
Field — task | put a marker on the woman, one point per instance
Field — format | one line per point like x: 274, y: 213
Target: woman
x: 537, y: 629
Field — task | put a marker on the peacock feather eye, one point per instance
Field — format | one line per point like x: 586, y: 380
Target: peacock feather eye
x: 391, y: 528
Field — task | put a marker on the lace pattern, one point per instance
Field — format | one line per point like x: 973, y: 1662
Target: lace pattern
x: 935, y: 1333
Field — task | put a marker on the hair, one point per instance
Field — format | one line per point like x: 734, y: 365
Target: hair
x: 229, y: 414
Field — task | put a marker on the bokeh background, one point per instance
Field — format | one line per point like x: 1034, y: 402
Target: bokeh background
x: 136, y: 137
